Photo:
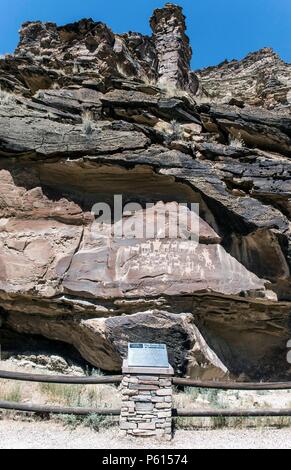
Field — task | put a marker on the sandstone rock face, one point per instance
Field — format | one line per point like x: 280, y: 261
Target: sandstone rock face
x: 104, y: 136
x: 262, y: 78
x: 173, y: 50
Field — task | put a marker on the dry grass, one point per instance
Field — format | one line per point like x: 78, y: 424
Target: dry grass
x: 6, y: 99
x: 10, y: 391
x: 108, y: 396
x: 121, y: 70
x: 89, y: 396
x: 149, y: 81
x: 81, y: 395
x: 175, y: 132
x: 88, y: 122
x: 75, y: 68
x: 236, y: 141
x: 171, y: 91
x: 195, y: 398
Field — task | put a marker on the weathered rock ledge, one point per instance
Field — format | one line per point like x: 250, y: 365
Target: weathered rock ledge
x: 85, y: 115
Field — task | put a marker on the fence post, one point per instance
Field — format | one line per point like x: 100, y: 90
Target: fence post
x: 146, y: 409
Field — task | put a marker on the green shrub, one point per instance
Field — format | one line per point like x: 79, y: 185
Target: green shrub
x: 94, y: 421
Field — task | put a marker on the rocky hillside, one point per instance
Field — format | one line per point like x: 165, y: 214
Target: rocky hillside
x: 85, y: 115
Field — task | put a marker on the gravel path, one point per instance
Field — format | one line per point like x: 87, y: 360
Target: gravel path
x: 23, y: 435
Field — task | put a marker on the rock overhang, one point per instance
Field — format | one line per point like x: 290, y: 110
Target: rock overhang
x: 150, y: 134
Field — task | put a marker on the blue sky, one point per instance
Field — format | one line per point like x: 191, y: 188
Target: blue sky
x: 218, y: 29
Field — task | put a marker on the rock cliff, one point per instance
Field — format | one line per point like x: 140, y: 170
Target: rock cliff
x: 87, y: 115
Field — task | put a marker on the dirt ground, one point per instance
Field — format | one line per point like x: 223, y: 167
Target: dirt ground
x: 45, y: 435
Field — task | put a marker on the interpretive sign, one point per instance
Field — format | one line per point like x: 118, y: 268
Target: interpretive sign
x: 147, y: 355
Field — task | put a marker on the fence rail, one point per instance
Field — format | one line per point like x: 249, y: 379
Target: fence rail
x: 233, y: 385
x: 116, y: 379
x: 28, y: 407
x: 79, y: 411
x: 61, y: 379
x: 213, y: 413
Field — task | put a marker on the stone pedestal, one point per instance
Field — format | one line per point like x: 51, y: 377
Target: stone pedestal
x: 146, y: 409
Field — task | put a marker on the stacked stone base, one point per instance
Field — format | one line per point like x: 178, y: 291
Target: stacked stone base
x: 146, y: 406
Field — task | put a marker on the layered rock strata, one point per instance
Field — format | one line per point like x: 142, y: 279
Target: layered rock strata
x: 87, y: 115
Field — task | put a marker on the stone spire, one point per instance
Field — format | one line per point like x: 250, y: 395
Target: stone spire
x: 173, y: 49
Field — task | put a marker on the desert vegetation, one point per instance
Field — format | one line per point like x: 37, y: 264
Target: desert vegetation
x: 6, y: 98
x: 108, y: 396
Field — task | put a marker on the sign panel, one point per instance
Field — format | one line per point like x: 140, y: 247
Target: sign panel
x: 147, y: 355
